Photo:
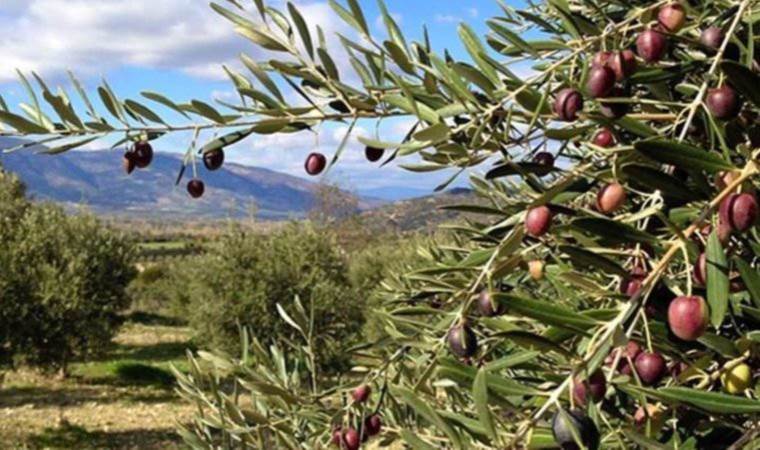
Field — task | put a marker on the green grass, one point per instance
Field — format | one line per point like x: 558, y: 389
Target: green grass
x: 128, y: 372
x: 145, y: 359
x: 169, y: 245
x: 77, y: 437
x: 123, y: 399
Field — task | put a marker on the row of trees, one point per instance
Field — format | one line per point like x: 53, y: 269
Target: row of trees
x: 63, y: 281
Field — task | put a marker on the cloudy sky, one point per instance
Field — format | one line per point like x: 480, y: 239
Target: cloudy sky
x: 177, y: 47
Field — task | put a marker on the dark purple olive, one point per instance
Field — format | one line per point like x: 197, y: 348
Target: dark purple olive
x: 373, y: 154
x: 487, y: 305
x: 623, y: 64
x: 604, y: 138
x: 361, y: 394
x: 631, y: 350
x: 672, y: 17
x: 601, y: 80
x: 723, y: 102
x: 462, y: 341
x: 567, y: 104
x: 688, y: 317
x: 593, y: 388
x: 739, y: 211
x: 712, y: 38
x: 351, y: 440
x: 650, y: 367
x: 315, y: 163
x: 538, y: 221
x: 195, y: 188
x: 601, y: 59
x: 544, y: 159
x: 610, y: 198
x: 373, y: 425
x: 128, y: 161
x: 143, y: 154
x: 700, y: 270
x: 214, y: 159
x: 651, y: 45
x: 566, y: 427
x: 631, y: 285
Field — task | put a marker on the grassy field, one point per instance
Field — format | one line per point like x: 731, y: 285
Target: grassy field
x: 124, y: 400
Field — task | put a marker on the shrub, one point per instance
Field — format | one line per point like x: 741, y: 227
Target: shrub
x: 243, y: 278
x: 63, y: 281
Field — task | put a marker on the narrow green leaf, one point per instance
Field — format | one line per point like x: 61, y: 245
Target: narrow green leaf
x: 683, y: 155
x: 343, y: 143
x: 262, y: 76
x: 480, y: 396
x: 587, y: 258
x: 532, y: 341
x: 435, y: 133
x: 545, y: 312
x: 348, y: 17
x: 743, y: 79
x: 399, y: 56
x: 262, y: 38
x: 303, y: 29
x: 328, y: 64
x: 21, y: 124
x: 69, y: 146
x: 426, y: 411
x: 144, y: 111
x: 713, y: 402
x: 751, y: 279
x: 717, y: 280
x: 612, y: 230
x: 226, y: 140
x: 110, y: 103
x: 415, y: 441
x: 652, y: 179
x: 158, y: 98
x: 207, y: 111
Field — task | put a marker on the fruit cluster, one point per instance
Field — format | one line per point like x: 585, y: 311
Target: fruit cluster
x: 351, y: 437
x: 140, y: 155
x: 687, y: 316
x: 316, y: 162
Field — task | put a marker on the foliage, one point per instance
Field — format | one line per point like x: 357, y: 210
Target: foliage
x: 332, y: 204
x: 244, y: 276
x: 675, y: 141
x: 62, y: 280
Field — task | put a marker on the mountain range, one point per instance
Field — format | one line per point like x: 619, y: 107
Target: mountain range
x: 96, y: 179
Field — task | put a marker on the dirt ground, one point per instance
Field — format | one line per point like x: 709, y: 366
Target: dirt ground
x: 124, y: 400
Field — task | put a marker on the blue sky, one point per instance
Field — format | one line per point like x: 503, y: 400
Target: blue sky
x: 177, y: 47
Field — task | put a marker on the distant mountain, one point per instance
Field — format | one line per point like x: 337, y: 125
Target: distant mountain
x: 96, y: 179
x: 395, y: 193
x: 423, y: 213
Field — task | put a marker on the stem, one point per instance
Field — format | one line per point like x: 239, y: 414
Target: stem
x: 718, y: 57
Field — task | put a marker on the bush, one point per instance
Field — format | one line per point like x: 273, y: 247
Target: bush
x: 62, y: 280
x: 242, y: 279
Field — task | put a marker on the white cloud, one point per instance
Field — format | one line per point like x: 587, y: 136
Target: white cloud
x: 446, y: 18
x: 92, y: 37
x: 452, y: 18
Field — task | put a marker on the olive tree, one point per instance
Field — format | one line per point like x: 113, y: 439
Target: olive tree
x: 63, y: 281
x: 607, y: 296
